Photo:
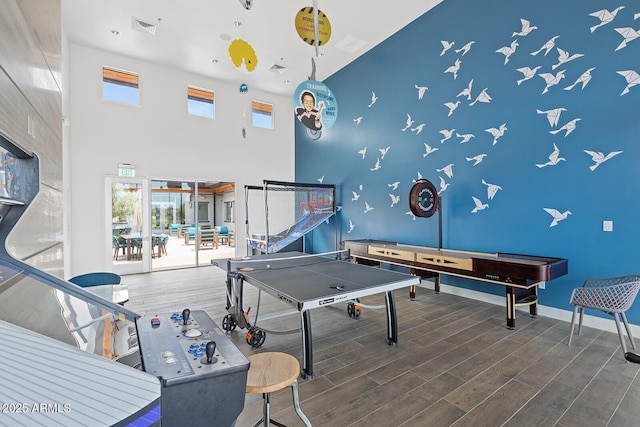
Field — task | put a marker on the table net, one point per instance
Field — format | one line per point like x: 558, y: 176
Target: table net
x: 284, y: 260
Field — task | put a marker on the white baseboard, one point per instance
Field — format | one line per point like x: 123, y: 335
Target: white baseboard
x: 604, y: 324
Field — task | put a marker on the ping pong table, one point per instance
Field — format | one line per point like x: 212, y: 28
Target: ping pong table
x: 309, y: 281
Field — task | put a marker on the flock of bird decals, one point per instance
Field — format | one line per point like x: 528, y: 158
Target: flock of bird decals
x: 560, y: 126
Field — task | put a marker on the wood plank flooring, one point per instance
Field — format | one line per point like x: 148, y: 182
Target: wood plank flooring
x: 456, y: 363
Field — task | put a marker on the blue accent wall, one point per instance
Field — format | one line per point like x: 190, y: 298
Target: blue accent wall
x: 599, y: 112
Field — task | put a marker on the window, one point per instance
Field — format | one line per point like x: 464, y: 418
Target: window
x: 203, y: 211
x: 200, y: 102
x: 228, y: 211
x: 261, y: 115
x: 119, y: 86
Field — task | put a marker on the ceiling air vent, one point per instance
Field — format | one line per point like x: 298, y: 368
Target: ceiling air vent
x: 278, y: 68
x: 143, y: 27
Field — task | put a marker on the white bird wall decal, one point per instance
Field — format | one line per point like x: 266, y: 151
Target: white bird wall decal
x: 628, y: 35
x: 374, y: 98
x: 454, y: 68
x: 507, y: 51
x: 492, y: 189
x: 632, y: 79
x: 599, y: 158
x: 528, y: 73
x: 564, y: 57
x: 569, y: 127
x: 584, y: 79
x: 554, y: 158
x: 483, y: 97
x: 466, y: 91
x: 446, y: 45
x: 476, y: 159
x: 408, y: 123
x: 448, y: 170
x: 421, y: 90
x: 526, y: 28
x: 557, y: 215
x: 447, y: 133
x: 497, y: 133
x: 605, y: 17
x: 479, y: 205
x: 553, y: 115
x: 551, y: 79
x: 367, y: 207
x: 464, y: 49
x: 550, y: 44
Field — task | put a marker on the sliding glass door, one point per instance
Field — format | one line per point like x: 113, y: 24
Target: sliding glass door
x: 180, y: 211
x: 167, y: 224
x: 172, y: 223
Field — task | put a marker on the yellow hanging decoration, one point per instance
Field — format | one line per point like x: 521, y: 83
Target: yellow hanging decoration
x: 243, y: 56
x: 307, y: 31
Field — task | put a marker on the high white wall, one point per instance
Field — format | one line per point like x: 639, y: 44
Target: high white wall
x: 162, y: 141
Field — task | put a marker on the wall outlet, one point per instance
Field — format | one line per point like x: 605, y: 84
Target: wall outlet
x: 607, y: 225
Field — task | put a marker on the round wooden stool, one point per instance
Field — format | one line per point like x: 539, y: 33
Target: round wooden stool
x: 273, y: 371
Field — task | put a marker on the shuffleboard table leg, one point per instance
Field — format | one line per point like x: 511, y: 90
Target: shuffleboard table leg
x: 511, y: 307
x: 533, y: 308
x: 412, y: 288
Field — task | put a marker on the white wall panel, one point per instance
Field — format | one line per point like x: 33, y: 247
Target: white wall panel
x: 162, y: 141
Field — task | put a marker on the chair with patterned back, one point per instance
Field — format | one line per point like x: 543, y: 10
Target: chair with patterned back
x: 118, y: 244
x: 613, y: 296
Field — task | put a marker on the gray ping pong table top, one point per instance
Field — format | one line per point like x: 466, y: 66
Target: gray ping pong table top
x: 304, y: 277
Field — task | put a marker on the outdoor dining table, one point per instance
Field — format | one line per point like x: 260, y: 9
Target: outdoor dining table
x: 130, y: 240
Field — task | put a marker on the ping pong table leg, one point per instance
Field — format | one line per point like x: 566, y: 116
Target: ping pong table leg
x: 392, y: 320
x: 307, y: 345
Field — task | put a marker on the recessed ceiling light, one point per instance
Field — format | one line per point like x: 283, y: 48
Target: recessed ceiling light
x: 286, y: 81
x: 115, y: 32
x: 237, y: 23
x: 214, y: 60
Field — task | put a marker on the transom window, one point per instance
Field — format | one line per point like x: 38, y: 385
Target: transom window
x: 262, y: 114
x: 200, y: 102
x: 120, y: 86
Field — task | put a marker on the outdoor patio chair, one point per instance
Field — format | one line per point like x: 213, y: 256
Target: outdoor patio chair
x: 162, y: 241
x: 117, y: 245
x: 613, y: 296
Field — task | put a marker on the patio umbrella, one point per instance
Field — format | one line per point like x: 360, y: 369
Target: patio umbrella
x: 137, y: 213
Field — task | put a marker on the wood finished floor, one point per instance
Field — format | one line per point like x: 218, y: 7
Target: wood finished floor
x: 456, y: 363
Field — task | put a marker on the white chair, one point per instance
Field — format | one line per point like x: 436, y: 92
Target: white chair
x: 614, y: 296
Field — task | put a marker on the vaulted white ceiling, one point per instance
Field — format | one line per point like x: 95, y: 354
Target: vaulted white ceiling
x: 194, y: 35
